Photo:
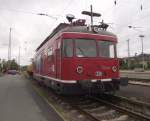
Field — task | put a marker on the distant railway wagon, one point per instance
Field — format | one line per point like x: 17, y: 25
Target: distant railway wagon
x: 30, y: 70
x: 78, y: 59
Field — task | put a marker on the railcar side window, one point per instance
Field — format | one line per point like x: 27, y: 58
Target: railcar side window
x: 38, y: 63
x: 67, y: 50
x: 49, y: 52
x: 85, y: 48
x: 106, y: 49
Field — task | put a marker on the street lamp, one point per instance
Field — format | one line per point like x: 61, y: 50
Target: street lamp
x: 44, y: 14
x: 142, y: 36
x: 134, y: 27
x: 128, y: 41
x: 19, y: 59
x: 9, y: 45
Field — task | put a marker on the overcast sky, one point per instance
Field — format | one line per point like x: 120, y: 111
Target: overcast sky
x: 29, y: 29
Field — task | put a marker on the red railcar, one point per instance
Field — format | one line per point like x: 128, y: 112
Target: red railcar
x: 76, y: 59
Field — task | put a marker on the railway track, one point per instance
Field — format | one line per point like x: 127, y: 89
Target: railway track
x: 109, y: 108
x: 133, y: 108
x: 104, y: 107
x: 139, y: 82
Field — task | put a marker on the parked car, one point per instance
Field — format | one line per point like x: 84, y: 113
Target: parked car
x: 13, y: 72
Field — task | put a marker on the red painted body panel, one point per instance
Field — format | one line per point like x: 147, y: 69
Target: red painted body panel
x: 65, y: 68
x: 87, y: 35
x: 90, y: 67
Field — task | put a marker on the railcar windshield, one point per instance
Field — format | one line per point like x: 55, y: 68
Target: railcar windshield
x: 107, y: 49
x: 88, y: 48
x: 67, y: 50
x: 85, y: 48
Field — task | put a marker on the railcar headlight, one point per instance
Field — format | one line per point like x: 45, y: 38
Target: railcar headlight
x: 79, y: 69
x: 114, y: 68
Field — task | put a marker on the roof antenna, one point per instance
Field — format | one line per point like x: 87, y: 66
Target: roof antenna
x: 91, y: 14
x: 103, y: 25
x: 70, y: 17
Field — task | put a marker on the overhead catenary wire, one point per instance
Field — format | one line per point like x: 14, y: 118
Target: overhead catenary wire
x: 116, y: 6
x: 28, y: 12
x: 121, y: 3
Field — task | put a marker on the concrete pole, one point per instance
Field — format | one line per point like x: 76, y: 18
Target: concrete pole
x: 141, y: 37
x: 9, y: 45
x: 19, y: 58
x: 91, y: 15
x: 128, y: 42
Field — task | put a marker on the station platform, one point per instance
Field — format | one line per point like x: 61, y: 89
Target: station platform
x: 133, y: 74
x: 19, y: 102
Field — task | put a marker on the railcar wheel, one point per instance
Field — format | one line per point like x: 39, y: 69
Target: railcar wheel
x: 111, y: 88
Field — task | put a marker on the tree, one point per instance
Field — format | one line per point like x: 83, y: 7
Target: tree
x: 8, y: 65
x: 123, y: 64
x: 148, y: 65
x: 4, y: 65
x: 132, y: 64
x: 13, y: 65
x: 0, y: 66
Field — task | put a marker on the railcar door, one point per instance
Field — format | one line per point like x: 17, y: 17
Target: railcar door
x: 42, y: 64
x: 58, y: 60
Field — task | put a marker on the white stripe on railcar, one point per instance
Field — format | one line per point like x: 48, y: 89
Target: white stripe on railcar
x: 58, y: 80
x: 106, y: 80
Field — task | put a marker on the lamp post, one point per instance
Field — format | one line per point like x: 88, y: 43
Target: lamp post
x: 19, y: 59
x: 128, y: 41
x: 141, y: 37
x: 44, y: 14
x: 9, y: 49
x: 9, y: 45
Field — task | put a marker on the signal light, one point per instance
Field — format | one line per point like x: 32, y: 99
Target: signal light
x: 114, y: 68
x: 79, y: 69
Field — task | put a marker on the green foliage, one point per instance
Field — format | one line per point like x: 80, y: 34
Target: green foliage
x: 13, y: 65
x: 8, y: 65
x: 123, y: 65
x: 148, y: 65
x: 133, y: 64
x: 23, y: 68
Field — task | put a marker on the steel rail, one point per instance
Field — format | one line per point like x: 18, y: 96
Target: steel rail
x: 88, y: 115
x: 137, y: 79
x: 137, y: 102
x: 122, y: 109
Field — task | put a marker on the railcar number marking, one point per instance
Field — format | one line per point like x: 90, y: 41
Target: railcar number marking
x: 98, y: 73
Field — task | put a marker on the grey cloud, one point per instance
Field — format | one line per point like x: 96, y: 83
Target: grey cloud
x: 33, y: 29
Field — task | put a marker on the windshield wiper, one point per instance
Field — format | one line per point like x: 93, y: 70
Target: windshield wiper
x: 81, y: 51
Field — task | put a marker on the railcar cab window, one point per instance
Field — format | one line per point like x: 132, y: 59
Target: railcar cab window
x: 49, y: 53
x: 107, y: 49
x: 67, y: 49
x: 85, y: 48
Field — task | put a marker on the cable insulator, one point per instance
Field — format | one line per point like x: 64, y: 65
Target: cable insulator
x: 115, y: 2
x: 141, y: 7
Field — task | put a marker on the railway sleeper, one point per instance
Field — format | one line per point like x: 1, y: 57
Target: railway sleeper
x: 120, y: 118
